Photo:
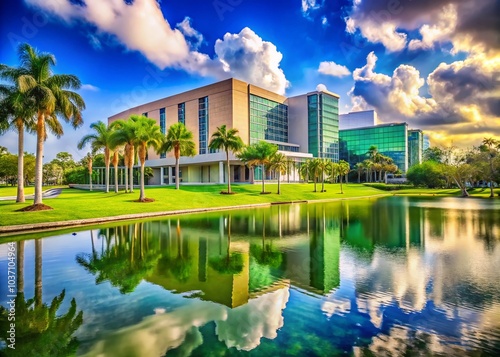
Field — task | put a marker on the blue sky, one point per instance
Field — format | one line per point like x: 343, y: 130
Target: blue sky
x: 434, y: 64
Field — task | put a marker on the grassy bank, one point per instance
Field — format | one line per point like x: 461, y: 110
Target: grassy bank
x: 6, y: 191
x: 78, y: 204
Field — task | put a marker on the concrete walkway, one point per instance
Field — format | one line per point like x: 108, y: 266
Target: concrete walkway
x: 51, y: 193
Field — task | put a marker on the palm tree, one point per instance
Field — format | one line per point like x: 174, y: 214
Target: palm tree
x: 359, y: 167
x: 229, y: 141
x: 101, y: 139
x: 304, y: 170
x: 323, y: 166
x: 367, y: 164
x: 180, y: 140
x: 124, y: 134
x: 314, y: 170
x: 490, y: 144
x: 16, y: 112
x: 290, y: 167
x: 115, y: 161
x: 279, y: 164
x: 334, y: 172
x: 89, y: 158
x: 52, y: 98
x: 147, y: 134
x: 344, y: 169
x: 258, y: 154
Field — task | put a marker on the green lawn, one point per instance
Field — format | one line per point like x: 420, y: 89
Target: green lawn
x: 80, y: 204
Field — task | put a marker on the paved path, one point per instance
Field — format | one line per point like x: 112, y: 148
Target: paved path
x: 51, y: 193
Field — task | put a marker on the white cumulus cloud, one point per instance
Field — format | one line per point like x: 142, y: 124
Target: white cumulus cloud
x: 246, y: 56
x: 333, y: 69
x: 141, y: 26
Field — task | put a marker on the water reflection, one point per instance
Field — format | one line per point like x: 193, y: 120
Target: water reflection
x: 38, y: 328
x: 391, y: 276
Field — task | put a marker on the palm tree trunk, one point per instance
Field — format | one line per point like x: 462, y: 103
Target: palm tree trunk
x: 38, y: 272
x: 106, y: 163
x: 142, y: 195
x: 20, y: 161
x: 116, y: 178
x: 20, y: 267
x: 126, y: 177
x: 40, y: 137
x: 491, y: 176
x: 177, y: 173
x: 228, y: 173
x: 263, y: 178
x: 279, y: 179
x: 322, y: 182
x: 131, y: 166
x: 359, y: 177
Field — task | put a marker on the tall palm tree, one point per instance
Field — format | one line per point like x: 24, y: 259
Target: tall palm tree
x: 323, y: 166
x: 344, y: 169
x: 315, y: 170
x: 334, y: 172
x: 147, y: 134
x: 359, y: 167
x: 115, y: 161
x: 16, y: 112
x: 304, y: 170
x: 52, y: 99
x: 101, y: 139
x: 89, y: 158
x: 279, y: 164
x: 228, y: 140
x: 490, y: 144
x: 258, y: 154
x: 367, y: 164
x: 124, y: 134
x: 180, y: 140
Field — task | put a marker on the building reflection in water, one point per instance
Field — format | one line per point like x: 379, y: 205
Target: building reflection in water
x: 399, y: 274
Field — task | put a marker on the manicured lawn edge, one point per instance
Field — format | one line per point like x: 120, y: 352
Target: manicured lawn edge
x: 50, y: 226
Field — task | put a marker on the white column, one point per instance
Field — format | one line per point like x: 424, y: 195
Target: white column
x: 221, y: 172
x: 161, y: 175
x: 170, y: 181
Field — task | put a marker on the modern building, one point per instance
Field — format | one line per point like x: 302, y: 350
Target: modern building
x: 359, y: 119
x: 427, y: 142
x: 317, y: 114
x: 415, y: 147
x: 303, y: 127
x: 390, y: 139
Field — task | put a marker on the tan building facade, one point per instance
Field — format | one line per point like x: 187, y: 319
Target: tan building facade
x: 202, y: 110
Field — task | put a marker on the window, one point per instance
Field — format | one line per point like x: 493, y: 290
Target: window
x: 163, y: 127
x: 203, y: 124
x: 181, y: 113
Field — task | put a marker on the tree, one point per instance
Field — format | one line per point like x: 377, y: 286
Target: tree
x: 124, y: 134
x: 304, y: 170
x: 258, y: 154
x: 344, y: 169
x: 16, y: 112
x: 148, y: 134
x: 433, y: 153
x: 359, y: 167
x: 429, y: 174
x: 100, y: 139
x: 279, y: 164
x: 491, y: 146
x: 229, y: 141
x: 315, y: 170
x: 90, y: 158
x: 52, y: 99
x: 323, y: 166
x: 180, y: 140
x: 116, y: 159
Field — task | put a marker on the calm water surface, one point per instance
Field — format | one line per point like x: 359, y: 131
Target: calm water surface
x: 392, y: 276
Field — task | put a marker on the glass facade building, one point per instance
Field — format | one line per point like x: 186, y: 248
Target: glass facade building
x: 181, y: 113
x: 268, y: 120
x: 415, y: 147
x: 203, y: 125
x: 391, y: 140
x: 163, y: 127
x: 323, y: 126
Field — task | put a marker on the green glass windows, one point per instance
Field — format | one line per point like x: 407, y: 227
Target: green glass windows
x: 203, y: 124
x: 268, y: 120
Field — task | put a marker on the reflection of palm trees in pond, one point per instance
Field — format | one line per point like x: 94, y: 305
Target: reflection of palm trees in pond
x: 232, y: 263
x: 38, y: 330
x: 181, y: 265
x: 266, y: 255
x: 126, y: 260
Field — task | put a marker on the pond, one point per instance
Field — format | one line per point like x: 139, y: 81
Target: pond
x: 389, y: 276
